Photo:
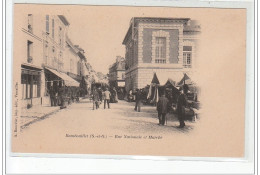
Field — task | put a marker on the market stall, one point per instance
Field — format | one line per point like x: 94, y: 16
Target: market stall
x: 192, y: 111
x: 163, y: 82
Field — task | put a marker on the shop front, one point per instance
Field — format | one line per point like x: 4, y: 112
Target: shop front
x: 59, y: 83
x: 31, y: 85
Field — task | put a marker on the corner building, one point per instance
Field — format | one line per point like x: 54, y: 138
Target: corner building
x: 159, y: 45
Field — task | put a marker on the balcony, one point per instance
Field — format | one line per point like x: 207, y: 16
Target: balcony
x: 187, y: 66
x: 160, y: 61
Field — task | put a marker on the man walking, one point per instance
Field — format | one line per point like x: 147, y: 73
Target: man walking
x: 138, y: 100
x: 107, y: 95
x: 100, y: 94
x: 162, y: 108
x: 95, y: 99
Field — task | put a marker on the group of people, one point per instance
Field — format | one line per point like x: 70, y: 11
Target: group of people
x: 163, y: 107
x: 60, y: 95
x: 98, y: 96
x: 163, y: 104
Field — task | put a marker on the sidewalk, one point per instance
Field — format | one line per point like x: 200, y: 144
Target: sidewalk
x: 36, y: 113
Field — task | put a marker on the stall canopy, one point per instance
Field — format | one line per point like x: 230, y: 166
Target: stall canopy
x: 186, y: 80
x: 163, y: 77
x: 68, y: 81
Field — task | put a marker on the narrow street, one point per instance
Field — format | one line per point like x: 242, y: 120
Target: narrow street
x: 80, y: 118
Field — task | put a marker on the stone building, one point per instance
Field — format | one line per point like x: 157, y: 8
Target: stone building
x: 41, y: 49
x: 75, y: 60
x: 117, y: 73
x: 165, y: 45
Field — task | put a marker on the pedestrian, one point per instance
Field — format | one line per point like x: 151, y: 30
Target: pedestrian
x: 52, y: 96
x: 162, y: 108
x: 55, y: 97
x: 181, y: 104
x: 95, y: 97
x: 138, y: 100
x: 130, y: 96
x: 115, y: 95
x: 100, y: 95
x: 107, y: 96
x: 61, y: 94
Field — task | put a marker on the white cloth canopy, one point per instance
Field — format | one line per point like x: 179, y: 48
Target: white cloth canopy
x: 67, y: 79
x: 189, y: 79
x: 163, y: 77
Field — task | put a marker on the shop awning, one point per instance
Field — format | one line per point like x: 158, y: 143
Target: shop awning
x: 67, y: 79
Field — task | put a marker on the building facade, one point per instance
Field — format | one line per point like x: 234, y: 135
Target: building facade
x: 117, y: 73
x: 159, y: 45
x: 75, y: 61
x: 41, y: 48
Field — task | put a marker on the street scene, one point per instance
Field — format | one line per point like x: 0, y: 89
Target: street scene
x: 127, y: 81
x: 147, y: 88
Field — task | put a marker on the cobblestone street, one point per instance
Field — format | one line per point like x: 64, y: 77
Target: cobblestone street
x: 80, y: 119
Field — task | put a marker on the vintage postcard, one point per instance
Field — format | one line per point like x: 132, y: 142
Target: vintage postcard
x: 124, y: 80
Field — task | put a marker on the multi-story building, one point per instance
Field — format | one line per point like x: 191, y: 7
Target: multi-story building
x: 159, y: 45
x: 117, y: 73
x: 40, y: 47
x: 75, y: 61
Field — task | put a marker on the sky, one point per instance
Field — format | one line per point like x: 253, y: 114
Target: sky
x: 100, y: 30
x: 100, y: 35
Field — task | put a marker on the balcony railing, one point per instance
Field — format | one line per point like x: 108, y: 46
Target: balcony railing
x: 160, y: 61
x: 187, y: 65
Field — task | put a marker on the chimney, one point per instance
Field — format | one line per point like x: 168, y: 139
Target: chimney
x: 118, y: 58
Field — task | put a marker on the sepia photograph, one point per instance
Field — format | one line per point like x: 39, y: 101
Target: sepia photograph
x: 118, y: 80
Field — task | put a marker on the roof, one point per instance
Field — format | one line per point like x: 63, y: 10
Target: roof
x: 64, y: 20
x: 192, y: 26
x: 118, y: 66
x: 150, y: 19
x: 121, y: 65
x: 70, y: 44
x: 155, y: 19
x: 81, y: 55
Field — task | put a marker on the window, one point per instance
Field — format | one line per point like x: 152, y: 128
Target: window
x: 60, y: 36
x: 47, y: 24
x: 29, y: 51
x: 46, y: 52
x: 78, y: 68
x: 30, y: 23
x: 187, y: 56
x: 160, y: 50
x: 71, y: 66
x: 52, y: 28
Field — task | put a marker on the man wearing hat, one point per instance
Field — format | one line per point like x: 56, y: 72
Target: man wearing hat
x: 181, y: 104
x: 107, y: 96
x: 162, y: 108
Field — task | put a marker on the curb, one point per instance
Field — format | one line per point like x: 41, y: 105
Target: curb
x: 40, y: 118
